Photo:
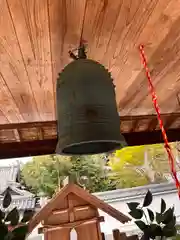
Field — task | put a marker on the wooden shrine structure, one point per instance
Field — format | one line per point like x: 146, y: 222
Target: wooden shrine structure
x: 35, y: 37
x: 74, y: 208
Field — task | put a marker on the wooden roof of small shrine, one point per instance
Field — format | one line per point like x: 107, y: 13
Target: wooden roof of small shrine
x: 35, y: 37
x: 72, y: 199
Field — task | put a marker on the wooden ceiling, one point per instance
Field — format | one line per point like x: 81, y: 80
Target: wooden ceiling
x: 36, y: 35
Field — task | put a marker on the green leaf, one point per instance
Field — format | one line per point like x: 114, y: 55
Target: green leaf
x: 28, y: 214
x: 168, y: 216
x: 3, y: 230
x: 172, y: 223
x: 147, y: 199
x: 155, y: 230
x: 151, y: 214
x: 9, y: 236
x: 20, y: 232
x: 141, y: 225
x: 7, y: 199
x: 2, y: 215
x: 163, y: 205
x: 133, y: 205
x: 147, y: 232
x: 169, y: 232
x: 159, y: 217
x: 13, y: 217
x: 136, y: 213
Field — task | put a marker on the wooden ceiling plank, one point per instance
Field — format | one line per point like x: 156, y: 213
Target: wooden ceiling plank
x: 31, y: 21
x: 131, y: 19
x: 3, y: 119
x: 165, y: 13
x: 107, y: 29
x: 65, y: 24
x: 122, y: 48
x: 168, y: 94
x: 100, y: 18
x: 158, y: 59
x: 113, y: 31
x: 8, y: 105
x: 163, y: 61
x: 151, y: 38
x: 12, y: 67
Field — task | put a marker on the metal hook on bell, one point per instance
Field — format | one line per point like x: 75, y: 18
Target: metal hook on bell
x: 81, y: 52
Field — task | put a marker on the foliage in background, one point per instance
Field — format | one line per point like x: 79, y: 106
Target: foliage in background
x: 124, y: 164
x: 46, y: 173
x: 11, y: 226
x: 177, y: 237
x: 130, y: 167
x: 140, y: 165
x: 152, y: 224
x: 92, y: 167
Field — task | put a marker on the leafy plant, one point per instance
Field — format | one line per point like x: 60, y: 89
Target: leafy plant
x: 46, y: 173
x: 160, y: 224
x: 11, y: 226
x: 138, y: 166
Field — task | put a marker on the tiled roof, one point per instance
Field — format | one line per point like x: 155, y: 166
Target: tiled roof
x: 8, y: 176
x: 21, y: 203
x: 22, y: 199
x: 129, y: 193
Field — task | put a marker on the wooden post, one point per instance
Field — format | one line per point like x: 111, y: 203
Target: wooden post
x: 102, y: 236
x: 133, y: 237
x: 118, y: 236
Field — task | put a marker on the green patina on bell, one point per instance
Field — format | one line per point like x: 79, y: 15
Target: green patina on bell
x: 88, y: 121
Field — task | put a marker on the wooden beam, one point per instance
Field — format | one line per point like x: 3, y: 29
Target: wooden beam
x: 40, y: 134
x: 43, y: 147
x: 27, y: 125
x: 17, y: 135
x: 152, y: 118
x: 70, y: 224
x: 26, y: 149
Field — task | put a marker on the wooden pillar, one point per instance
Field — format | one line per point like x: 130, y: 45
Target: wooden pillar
x: 56, y: 234
x: 119, y: 236
x: 89, y: 232
x: 103, y: 236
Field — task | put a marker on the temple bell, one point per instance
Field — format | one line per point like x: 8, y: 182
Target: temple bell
x: 87, y: 117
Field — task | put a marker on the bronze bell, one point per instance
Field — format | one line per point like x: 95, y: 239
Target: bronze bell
x: 88, y: 121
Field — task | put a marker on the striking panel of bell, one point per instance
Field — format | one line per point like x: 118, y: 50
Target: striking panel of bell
x: 88, y: 121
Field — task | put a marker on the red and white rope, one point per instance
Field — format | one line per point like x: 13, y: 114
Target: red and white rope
x: 156, y: 106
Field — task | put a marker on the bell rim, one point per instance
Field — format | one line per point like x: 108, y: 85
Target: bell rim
x: 120, y: 144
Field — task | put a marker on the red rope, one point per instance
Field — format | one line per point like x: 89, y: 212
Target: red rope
x: 156, y: 106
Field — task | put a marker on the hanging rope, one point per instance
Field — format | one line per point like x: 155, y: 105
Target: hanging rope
x: 81, y: 50
x: 156, y: 106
